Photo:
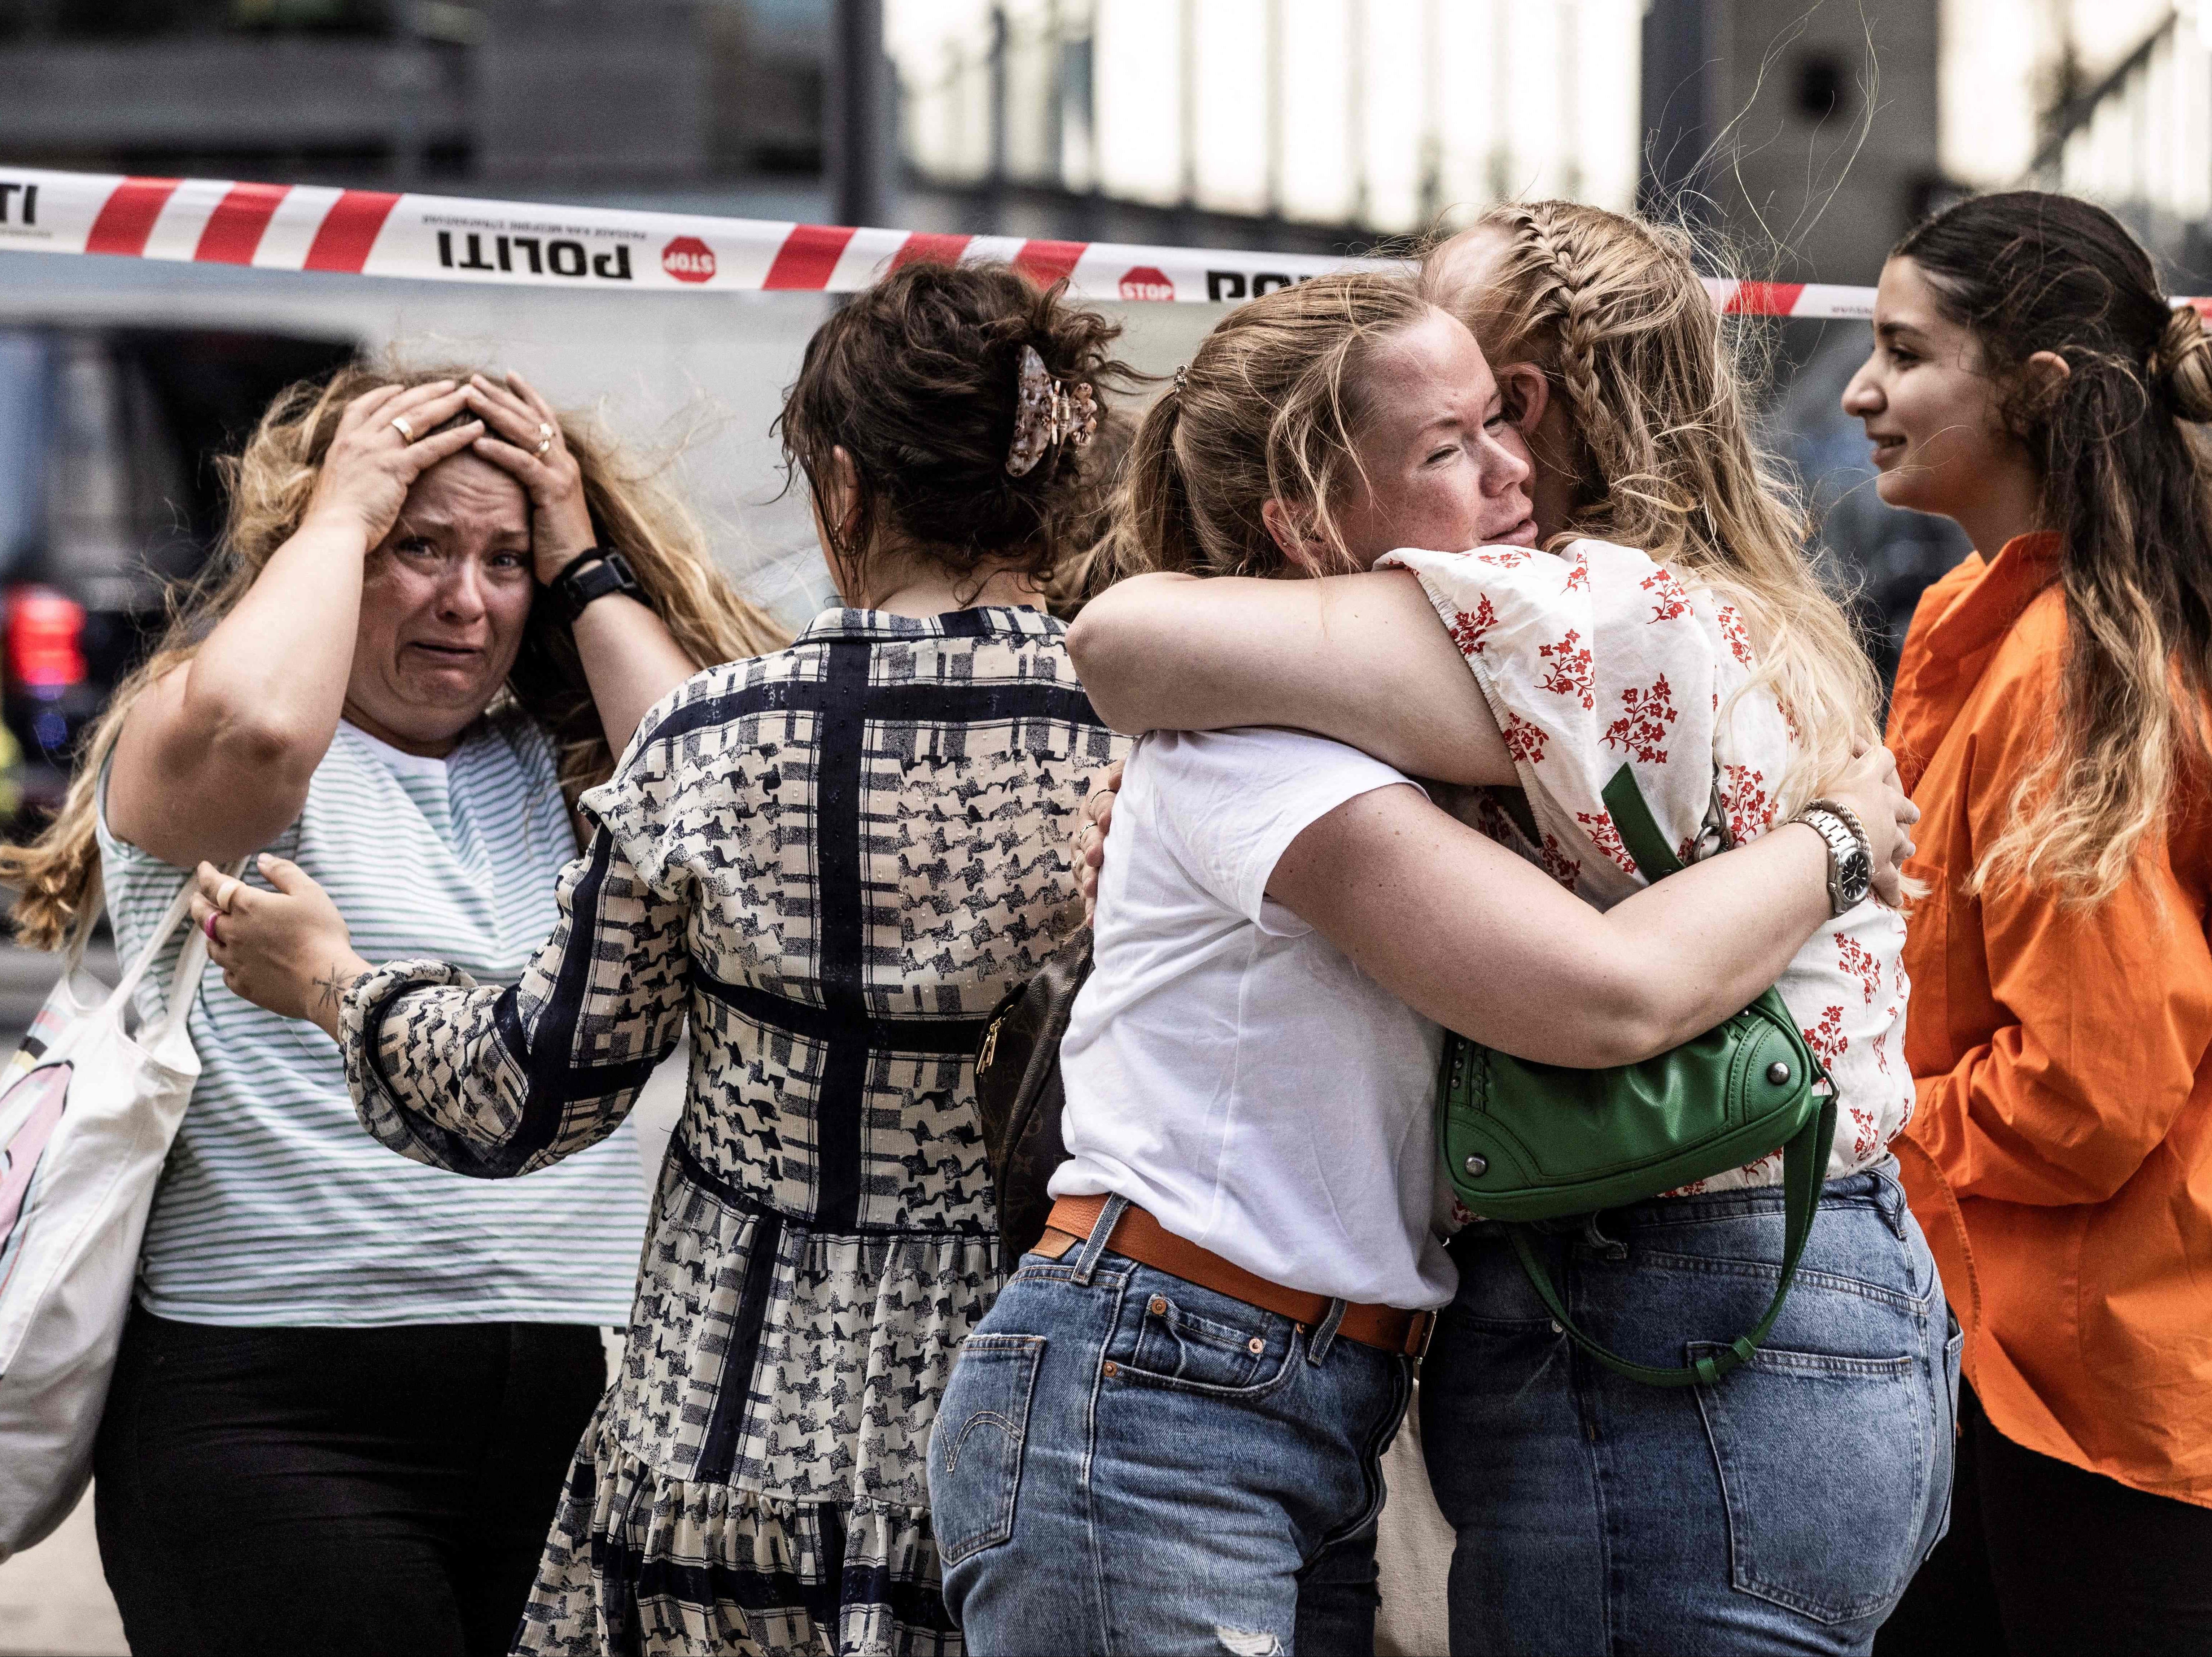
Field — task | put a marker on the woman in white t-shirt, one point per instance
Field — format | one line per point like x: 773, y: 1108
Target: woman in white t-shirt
x: 1165, y: 1434
x: 350, y: 1386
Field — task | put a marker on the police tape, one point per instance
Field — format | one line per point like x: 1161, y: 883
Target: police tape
x: 306, y: 227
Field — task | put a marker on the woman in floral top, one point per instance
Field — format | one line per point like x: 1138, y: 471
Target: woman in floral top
x: 832, y: 861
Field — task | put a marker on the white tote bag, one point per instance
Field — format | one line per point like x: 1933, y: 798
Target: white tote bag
x: 86, y: 1118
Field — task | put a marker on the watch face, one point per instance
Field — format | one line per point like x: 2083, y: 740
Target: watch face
x: 1857, y: 874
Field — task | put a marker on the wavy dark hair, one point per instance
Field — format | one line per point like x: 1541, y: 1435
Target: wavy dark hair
x: 915, y: 379
x: 2127, y: 485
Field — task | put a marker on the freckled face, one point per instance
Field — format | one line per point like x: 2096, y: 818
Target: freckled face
x: 1932, y: 411
x: 1446, y: 469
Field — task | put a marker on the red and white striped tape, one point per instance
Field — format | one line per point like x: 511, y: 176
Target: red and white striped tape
x: 305, y: 226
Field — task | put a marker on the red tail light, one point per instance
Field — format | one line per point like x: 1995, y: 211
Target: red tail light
x: 45, y: 639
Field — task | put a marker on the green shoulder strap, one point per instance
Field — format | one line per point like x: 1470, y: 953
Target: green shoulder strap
x: 1804, y: 1170
x: 1804, y: 1160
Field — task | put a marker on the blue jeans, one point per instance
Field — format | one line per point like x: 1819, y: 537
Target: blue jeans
x: 1784, y: 1510
x: 1127, y: 1463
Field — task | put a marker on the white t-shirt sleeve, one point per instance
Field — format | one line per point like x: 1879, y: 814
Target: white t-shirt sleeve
x: 1229, y: 803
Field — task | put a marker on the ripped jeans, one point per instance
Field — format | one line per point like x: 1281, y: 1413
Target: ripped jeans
x: 1126, y: 1465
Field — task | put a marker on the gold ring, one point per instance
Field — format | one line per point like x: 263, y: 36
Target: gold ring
x: 406, y: 432
x: 230, y: 886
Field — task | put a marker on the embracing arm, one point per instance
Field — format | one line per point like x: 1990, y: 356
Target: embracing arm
x: 1363, y: 659
x: 215, y: 758
x: 484, y: 1081
x: 1487, y: 944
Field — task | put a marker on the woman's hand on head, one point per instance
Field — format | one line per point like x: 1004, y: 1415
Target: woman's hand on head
x: 1092, y: 823
x: 372, y: 463
x: 288, y: 950
x: 1869, y: 786
x: 522, y: 437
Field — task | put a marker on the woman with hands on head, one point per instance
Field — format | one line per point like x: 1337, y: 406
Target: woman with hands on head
x: 348, y: 1389
x: 833, y: 861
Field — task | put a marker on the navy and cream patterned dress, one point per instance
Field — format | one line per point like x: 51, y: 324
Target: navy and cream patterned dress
x: 833, y: 861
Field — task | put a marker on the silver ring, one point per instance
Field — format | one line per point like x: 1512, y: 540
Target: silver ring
x: 544, y: 439
x: 406, y: 432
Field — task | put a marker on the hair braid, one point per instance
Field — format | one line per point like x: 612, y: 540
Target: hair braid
x: 1613, y: 310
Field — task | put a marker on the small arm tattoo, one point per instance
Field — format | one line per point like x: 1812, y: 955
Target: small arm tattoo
x: 330, y: 989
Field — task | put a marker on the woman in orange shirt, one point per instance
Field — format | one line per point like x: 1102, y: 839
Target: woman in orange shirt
x: 2029, y: 380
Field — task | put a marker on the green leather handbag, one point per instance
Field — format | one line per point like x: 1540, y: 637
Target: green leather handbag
x: 1523, y: 1141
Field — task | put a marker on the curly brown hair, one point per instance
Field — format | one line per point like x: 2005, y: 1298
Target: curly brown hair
x: 269, y: 484
x: 915, y: 380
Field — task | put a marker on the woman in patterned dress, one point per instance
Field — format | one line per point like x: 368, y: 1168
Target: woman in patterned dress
x: 1586, y: 1502
x: 833, y: 861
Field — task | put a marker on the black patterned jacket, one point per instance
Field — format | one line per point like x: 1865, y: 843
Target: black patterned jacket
x: 832, y: 861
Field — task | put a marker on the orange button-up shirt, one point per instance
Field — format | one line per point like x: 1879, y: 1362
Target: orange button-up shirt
x: 2060, y: 1153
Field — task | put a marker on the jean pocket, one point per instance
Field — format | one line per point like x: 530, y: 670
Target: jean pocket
x: 1954, y: 1350
x: 1946, y: 1441
x: 975, y: 1451
x: 1199, y: 1340
x: 1824, y: 1464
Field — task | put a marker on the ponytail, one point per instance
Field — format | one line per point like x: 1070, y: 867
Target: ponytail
x: 1157, y: 531
x: 1268, y: 408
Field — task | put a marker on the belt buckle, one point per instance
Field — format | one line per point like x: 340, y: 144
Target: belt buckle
x: 1428, y: 1334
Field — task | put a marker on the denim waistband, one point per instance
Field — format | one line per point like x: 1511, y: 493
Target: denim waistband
x: 1876, y: 1187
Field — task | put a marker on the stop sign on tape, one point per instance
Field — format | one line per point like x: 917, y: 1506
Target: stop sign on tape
x: 688, y: 259
x: 1146, y: 282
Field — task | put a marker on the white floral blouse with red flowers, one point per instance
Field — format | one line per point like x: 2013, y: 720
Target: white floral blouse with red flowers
x: 1594, y: 656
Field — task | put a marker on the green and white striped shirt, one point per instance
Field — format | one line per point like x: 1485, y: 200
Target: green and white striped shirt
x: 275, y: 1207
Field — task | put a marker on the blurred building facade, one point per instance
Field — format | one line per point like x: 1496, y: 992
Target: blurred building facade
x: 666, y: 96
x: 1283, y: 123
x: 1801, y: 137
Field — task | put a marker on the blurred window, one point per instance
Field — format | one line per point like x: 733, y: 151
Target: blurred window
x: 23, y: 419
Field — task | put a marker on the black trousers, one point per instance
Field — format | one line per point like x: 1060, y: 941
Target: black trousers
x: 334, y: 1491
x: 2046, y: 1560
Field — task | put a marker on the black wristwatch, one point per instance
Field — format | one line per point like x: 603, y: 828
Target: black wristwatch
x: 591, y: 575
x: 1850, y: 858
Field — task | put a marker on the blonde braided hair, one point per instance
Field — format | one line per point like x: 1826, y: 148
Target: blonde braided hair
x: 1613, y: 310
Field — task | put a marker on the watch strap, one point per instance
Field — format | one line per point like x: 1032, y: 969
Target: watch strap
x: 1840, y: 827
x: 591, y: 576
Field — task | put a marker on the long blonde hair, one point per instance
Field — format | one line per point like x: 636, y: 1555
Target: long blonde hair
x: 269, y: 484
x: 1613, y: 310
x: 1269, y: 408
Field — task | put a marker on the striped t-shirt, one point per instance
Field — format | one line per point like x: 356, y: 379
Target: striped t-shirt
x: 275, y: 1207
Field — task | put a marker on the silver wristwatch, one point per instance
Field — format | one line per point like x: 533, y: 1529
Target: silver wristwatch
x: 1851, y: 859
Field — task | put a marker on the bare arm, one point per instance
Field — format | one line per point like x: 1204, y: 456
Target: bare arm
x: 1363, y: 659
x: 1485, y: 943
x: 630, y: 659
x: 1469, y: 934
x: 215, y: 758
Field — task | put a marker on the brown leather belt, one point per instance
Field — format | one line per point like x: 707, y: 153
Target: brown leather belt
x: 1143, y: 1239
